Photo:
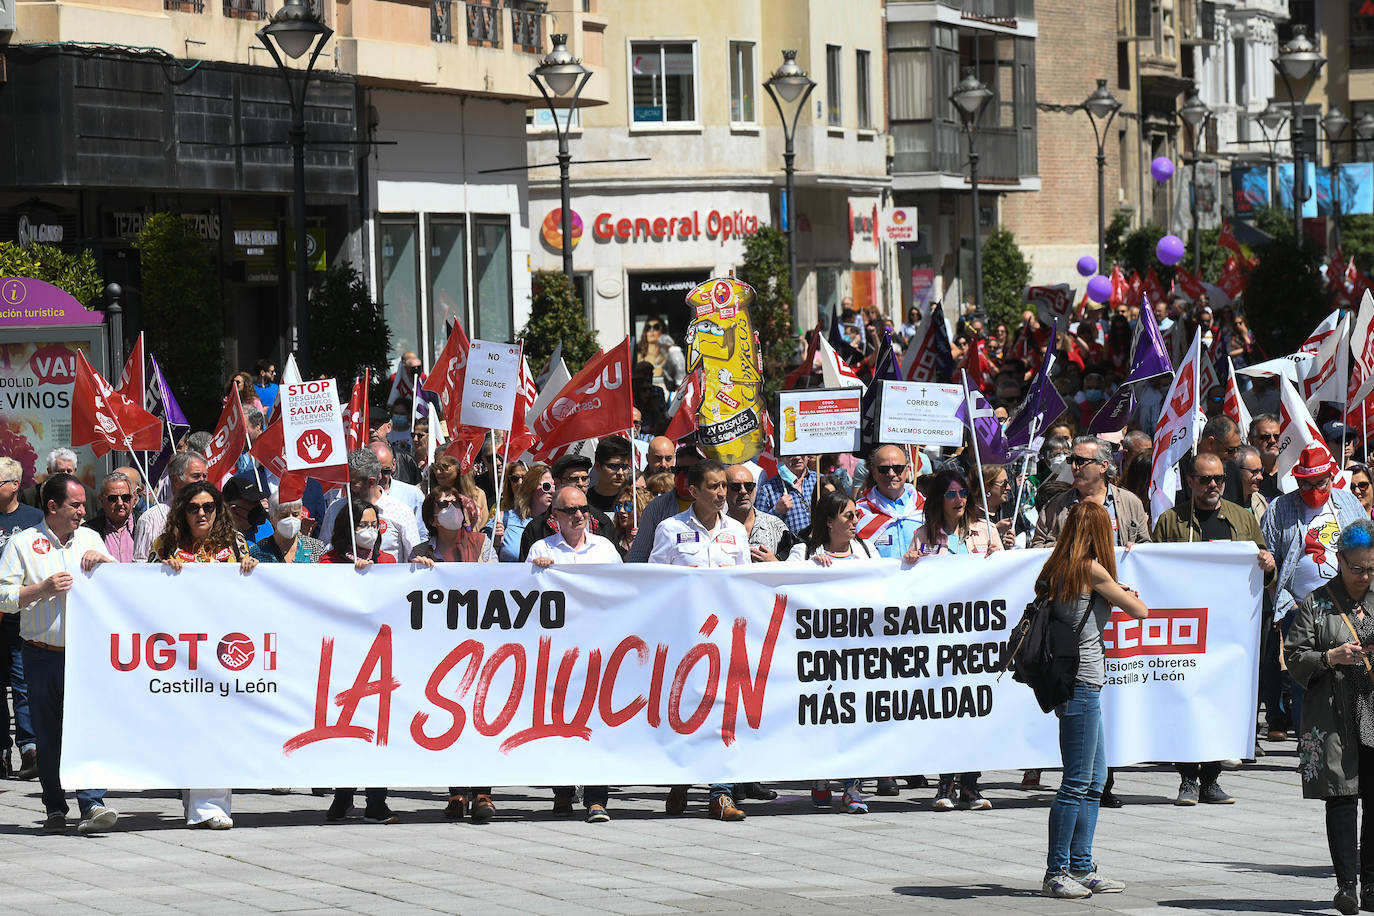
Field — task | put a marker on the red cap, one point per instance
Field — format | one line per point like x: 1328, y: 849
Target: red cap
x: 1315, y: 461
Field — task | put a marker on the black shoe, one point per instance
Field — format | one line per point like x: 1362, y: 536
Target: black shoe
x: 380, y: 814
x: 28, y: 765
x: 563, y: 804
x: 55, y: 822
x: 1109, y: 800
x: 339, y: 808
x: 916, y: 782
x: 757, y: 791
x: 1345, y: 901
x: 887, y: 785
x: 6, y: 767
x: 1367, y: 893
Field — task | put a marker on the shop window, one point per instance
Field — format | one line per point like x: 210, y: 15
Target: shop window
x: 448, y: 282
x: 742, y: 83
x: 493, y: 314
x: 401, y: 281
x: 663, y: 82
x: 861, y: 85
x: 834, y: 109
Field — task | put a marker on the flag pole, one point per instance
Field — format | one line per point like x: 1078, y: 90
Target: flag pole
x: 1021, y: 478
x: 977, y: 460
x: 634, y: 503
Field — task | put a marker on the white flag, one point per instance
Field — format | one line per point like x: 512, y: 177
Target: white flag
x: 835, y: 372
x: 290, y: 373
x: 1362, y: 347
x: 1296, y: 431
x: 558, y: 377
x: 1326, y: 376
x: 1176, y: 432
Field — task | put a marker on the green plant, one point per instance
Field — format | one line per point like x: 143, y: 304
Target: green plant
x: 1006, y: 272
x: 765, y: 268
x: 74, y: 274
x: 182, y: 314
x: 1115, y: 236
x: 1285, y: 298
x: 1357, y: 239
x: 348, y: 330
x: 556, y: 316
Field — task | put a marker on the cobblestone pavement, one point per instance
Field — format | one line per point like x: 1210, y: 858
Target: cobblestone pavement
x: 1265, y: 854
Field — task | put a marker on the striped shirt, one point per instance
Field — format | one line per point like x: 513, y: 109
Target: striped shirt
x: 30, y: 557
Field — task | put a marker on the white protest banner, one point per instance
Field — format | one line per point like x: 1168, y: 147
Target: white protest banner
x: 312, y: 425
x: 819, y: 420
x: 897, y: 224
x: 628, y: 675
x: 920, y: 413
x: 491, y: 385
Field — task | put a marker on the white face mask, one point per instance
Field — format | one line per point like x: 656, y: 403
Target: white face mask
x: 366, y: 537
x: 288, y: 527
x: 449, y: 518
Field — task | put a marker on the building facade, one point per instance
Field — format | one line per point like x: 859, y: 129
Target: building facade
x: 696, y: 156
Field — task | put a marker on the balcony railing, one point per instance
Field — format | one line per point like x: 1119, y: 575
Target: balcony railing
x: 993, y: 10
x: 245, y: 9
x: 184, y: 6
x: 441, y: 21
x: 1004, y: 153
x: 527, y: 25
x: 484, y: 23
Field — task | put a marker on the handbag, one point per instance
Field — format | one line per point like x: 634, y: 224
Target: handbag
x: 1042, y: 652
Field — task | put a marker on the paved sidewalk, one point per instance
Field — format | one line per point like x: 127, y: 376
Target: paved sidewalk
x: 1265, y: 854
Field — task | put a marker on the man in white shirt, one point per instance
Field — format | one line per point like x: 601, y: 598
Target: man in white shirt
x: 35, y: 576
x: 572, y: 542
x: 399, y: 534
x: 703, y: 535
x: 406, y: 493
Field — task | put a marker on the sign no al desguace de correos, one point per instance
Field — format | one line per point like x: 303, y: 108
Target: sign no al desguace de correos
x: 41, y: 330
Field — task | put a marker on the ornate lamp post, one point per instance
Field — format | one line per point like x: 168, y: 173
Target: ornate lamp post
x: 970, y: 97
x: 561, y: 77
x: 1271, y: 121
x: 1194, y: 115
x: 1298, y: 64
x: 1102, y: 107
x: 790, y: 85
x: 1333, y: 125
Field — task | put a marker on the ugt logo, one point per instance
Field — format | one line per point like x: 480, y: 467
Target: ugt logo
x: 163, y: 651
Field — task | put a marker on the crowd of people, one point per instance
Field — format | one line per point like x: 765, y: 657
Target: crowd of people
x: 650, y: 499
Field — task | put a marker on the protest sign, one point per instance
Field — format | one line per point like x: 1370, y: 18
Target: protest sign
x: 312, y: 425
x: 818, y: 420
x: 920, y: 413
x: 491, y: 384
x: 400, y: 676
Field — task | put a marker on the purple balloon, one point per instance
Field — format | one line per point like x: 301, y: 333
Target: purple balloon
x: 1087, y: 266
x: 1100, y: 288
x: 1170, y: 250
x: 1162, y: 168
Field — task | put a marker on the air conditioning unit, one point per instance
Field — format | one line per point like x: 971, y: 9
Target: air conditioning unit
x: 7, y: 16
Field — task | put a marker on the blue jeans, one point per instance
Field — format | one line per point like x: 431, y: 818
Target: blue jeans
x: 46, y: 673
x: 12, y: 660
x: 1073, y: 814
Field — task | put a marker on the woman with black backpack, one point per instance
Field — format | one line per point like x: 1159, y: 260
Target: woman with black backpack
x: 1079, y: 582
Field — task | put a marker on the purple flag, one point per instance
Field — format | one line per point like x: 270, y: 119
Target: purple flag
x: 161, y: 403
x: 1041, y: 406
x: 992, y: 442
x: 1149, y: 359
x: 884, y: 367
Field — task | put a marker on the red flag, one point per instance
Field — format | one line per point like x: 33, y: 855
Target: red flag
x: 449, y: 371
x: 596, y: 402
x: 807, y: 364
x: 1121, y: 290
x: 355, y: 424
x: 1152, y: 287
x: 1233, y: 279
x: 104, y: 419
x: 1191, y: 285
x: 1135, y: 287
x: 1227, y: 239
x: 465, y: 444
x: 131, y: 382
x: 269, y: 448
x: 768, y: 459
x: 979, y: 367
x: 688, y: 398
x: 231, y: 435
x: 520, y: 439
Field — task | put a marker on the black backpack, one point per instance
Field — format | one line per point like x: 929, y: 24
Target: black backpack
x: 1043, y: 652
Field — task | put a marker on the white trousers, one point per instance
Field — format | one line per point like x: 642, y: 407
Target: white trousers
x: 203, y: 804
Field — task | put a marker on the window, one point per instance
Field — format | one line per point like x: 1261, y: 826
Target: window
x: 448, y: 282
x: 1361, y: 36
x: 861, y: 87
x: 493, y: 318
x: 833, y: 108
x: 663, y: 82
x: 742, y: 82
x: 401, y: 281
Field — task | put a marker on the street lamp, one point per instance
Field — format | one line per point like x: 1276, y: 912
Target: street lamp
x: 1101, y: 106
x: 1194, y: 115
x: 564, y: 76
x: 296, y: 29
x: 789, y: 83
x: 1298, y: 64
x: 1333, y: 125
x: 1364, y: 131
x: 971, y: 97
x: 1271, y: 121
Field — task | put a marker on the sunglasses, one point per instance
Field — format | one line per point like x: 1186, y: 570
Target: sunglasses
x: 1078, y: 461
x: 1360, y: 486
x: 745, y: 486
x: 119, y: 498
x: 546, y: 486
x: 623, y: 507
x: 655, y: 326
x: 571, y: 510
x: 891, y: 469
x: 617, y: 468
x: 1266, y: 437
x: 961, y: 493
x: 1209, y: 479
x: 199, y: 508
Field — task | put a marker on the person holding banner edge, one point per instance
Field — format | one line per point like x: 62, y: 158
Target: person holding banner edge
x: 1079, y: 578
x: 1327, y: 651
